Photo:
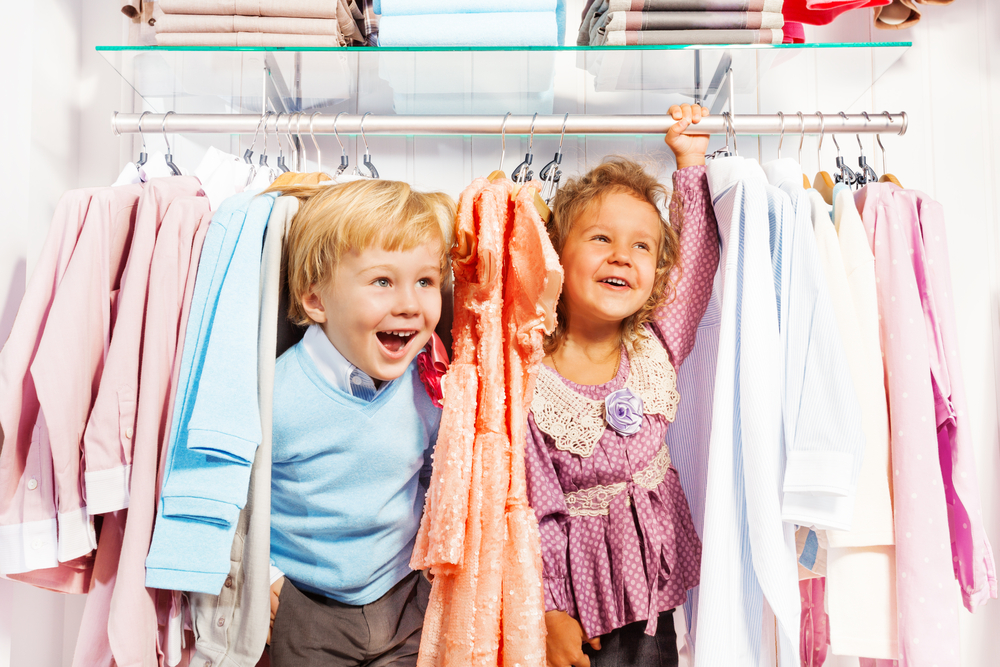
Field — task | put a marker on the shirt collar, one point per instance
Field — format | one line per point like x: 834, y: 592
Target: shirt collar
x: 331, y: 364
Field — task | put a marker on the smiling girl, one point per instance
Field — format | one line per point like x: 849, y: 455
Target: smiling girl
x: 618, y: 545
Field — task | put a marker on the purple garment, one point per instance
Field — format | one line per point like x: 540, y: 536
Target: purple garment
x: 643, y: 556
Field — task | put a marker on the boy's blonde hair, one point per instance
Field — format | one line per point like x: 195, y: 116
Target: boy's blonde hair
x: 336, y: 219
x: 617, y: 175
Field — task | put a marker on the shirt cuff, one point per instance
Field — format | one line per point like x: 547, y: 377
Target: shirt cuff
x: 557, y: 597
x: 275, y: 574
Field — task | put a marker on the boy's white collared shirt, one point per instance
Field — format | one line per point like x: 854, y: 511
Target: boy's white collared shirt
x: 333, y: 366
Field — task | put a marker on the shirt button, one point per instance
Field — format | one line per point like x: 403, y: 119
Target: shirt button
x: 229, y: 582
x: 221, y: 622
x: 32, y: 484
x: 128, y: 433
x: 208, y: 663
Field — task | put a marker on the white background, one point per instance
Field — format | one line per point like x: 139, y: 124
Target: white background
x: 58, y: 95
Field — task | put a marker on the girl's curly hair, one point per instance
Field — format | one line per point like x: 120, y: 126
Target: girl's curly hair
x: 616, y: 175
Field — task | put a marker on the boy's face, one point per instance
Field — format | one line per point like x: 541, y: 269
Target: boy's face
x: 381, y: 307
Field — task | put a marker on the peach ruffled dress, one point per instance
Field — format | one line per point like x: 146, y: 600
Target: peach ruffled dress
x: 479, y: 537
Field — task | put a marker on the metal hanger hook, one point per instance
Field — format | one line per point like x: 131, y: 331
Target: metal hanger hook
x: 344, y: 160
x: 781, y: 138
x: 819, y: 147
x: 531, y: 132
x: 337, y: 134
x: 312, y: 135
x: 802, y: 136
x: 363, y: 137
x: 277, y: 132
x: 860, y: 145
x: 263, y: 154
x: 142, y: 153
x: 503, y: 140
x: 163, y: 129
x: 562, y: 133
x: 878, y: 138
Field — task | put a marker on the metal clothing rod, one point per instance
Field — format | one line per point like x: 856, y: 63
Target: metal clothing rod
x: 830, y: 123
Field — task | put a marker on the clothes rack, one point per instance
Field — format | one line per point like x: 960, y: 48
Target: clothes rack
x: 575, y: 124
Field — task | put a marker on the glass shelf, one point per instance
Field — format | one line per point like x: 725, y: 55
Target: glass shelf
x: 483, y: 80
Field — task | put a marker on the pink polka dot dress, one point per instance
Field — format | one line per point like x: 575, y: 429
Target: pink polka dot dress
x: 618, y: 543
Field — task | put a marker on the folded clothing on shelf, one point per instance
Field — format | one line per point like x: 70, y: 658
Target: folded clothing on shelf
x: 247, y: 39
x: 475, y: 29
x: 693, y: 20
x: 306, y: 9
x: 270, y: 24
x: 664, y: 37
x: 641, y: 15
x: 411, y: 7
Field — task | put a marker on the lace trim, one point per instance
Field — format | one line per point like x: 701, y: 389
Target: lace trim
x: 596, y: 500
x: 576, y: 423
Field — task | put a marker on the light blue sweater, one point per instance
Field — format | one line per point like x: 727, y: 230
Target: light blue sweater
x: 216, y: 417
x: 347, y: 479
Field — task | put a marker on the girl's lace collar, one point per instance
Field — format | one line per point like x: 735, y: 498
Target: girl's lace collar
x: 576, y: 423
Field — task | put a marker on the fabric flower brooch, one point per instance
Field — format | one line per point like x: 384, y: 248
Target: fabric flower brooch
x: 623, y: 411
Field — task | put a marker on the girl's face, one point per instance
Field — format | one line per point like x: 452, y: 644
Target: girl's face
x: 609, y: 258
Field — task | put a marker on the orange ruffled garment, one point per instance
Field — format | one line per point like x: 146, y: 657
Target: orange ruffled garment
x: 478, y: 535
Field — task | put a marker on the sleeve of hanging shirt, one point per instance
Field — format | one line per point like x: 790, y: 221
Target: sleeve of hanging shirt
x: 676, y: 321
x: 824, y: 439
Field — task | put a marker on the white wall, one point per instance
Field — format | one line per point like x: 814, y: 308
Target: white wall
x: 54, y: 135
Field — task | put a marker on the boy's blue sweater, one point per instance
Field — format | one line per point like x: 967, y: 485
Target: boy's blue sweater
x: 347, y: 480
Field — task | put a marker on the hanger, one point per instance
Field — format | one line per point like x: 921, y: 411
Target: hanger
x: 312, y: 135
x: 262, y: 161
x: 781, y: 131
x: 866, y: 173
x: 499, y: 173
x: 802, y: 137
x: 142, y: 153
x: 551, y: 173
x: 367, y: 159
x: 168, y: 157
x: 822, y: 182
x: 344, y: 160
x: 886, y: 176
x: 281, y: 156
x: 846, y: 175
x: 523, y: 171
x: 724, y: 151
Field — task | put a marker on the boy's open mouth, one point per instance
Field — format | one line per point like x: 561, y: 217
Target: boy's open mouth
x: 395, y: 341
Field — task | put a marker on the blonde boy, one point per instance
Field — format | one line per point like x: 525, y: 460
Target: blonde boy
x: 354, y: 426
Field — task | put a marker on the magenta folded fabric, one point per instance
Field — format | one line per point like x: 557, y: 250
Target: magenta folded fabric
x: 695, y: 6
x: 246, y: 39
x: 306, y: 9
x: 694, y: 21
x: 663, y: 37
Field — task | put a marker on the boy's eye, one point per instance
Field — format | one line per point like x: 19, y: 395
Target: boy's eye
x: 602, y: 238
x: 381, y: 282
x: 426, y: 282
x: 642, y: 246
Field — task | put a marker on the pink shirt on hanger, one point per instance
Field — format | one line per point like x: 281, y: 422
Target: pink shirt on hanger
x: 110, y: 430
x: 971, y: 552
x: 120, y: 618
x: 47, y: 373
x: 27, y: 497
x: 928, y: 613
